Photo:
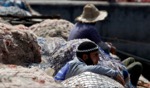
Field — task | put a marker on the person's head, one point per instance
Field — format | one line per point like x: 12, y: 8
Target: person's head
x: 91, y: 14
x: 88, y: 52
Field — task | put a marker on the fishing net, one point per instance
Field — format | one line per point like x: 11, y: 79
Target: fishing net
x: 18, y: 46
x: 52, y: 28
x: 13, y: 76
x: 13, y: 11
x: 91, y: 80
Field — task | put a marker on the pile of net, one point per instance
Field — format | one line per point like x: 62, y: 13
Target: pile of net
x: 22, y: 47
x: 52, y: 28
x: 13, y: 76
x: 20, y: 77
x: 57, y: 51
x: 91, y: 80
x: 13, y: 11
x: 64, y: 54
x: 18, y: 46
x: 49, y: 46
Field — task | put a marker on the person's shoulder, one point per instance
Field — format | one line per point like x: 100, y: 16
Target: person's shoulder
x: 75, y: 61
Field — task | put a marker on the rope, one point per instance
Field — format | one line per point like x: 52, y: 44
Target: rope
x: 134, y: 56
x: 123, y: 40
x: 144, y: 60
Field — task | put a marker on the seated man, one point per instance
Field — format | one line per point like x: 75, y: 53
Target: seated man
x: 133, y: 67
x: 87, y: 60
x: 85, y: 26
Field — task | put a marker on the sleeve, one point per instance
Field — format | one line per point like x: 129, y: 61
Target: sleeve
x: 62, y: 73
x: 101, y: 70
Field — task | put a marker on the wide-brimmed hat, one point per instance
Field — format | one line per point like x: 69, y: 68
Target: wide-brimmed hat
x: 91, y: 14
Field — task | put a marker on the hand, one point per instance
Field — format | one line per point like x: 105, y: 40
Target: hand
x: 112, y: 48
x: 120, y: 79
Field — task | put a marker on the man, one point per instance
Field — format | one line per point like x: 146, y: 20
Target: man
x: 87, y: 59
x: 85, y: 26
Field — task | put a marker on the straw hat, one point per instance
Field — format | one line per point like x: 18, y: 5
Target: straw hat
x: 91, y: 14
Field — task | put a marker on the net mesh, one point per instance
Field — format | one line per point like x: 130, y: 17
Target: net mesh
x: 91, y: 80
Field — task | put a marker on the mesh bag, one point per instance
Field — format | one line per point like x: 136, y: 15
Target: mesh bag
x: 91, y: 80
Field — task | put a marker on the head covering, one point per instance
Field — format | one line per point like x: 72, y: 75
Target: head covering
x: 87, y: 46
x: 91, y: 14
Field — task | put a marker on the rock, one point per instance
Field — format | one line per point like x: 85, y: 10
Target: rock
x: 91, y: 80
x: 52, y: 28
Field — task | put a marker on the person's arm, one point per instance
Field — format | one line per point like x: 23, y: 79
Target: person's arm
x: 120, y: 79
x: 101, y: 70
x: 112, y: 47
x: 104, y: 47
x: 60, y: 76
x: 105, y: 71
